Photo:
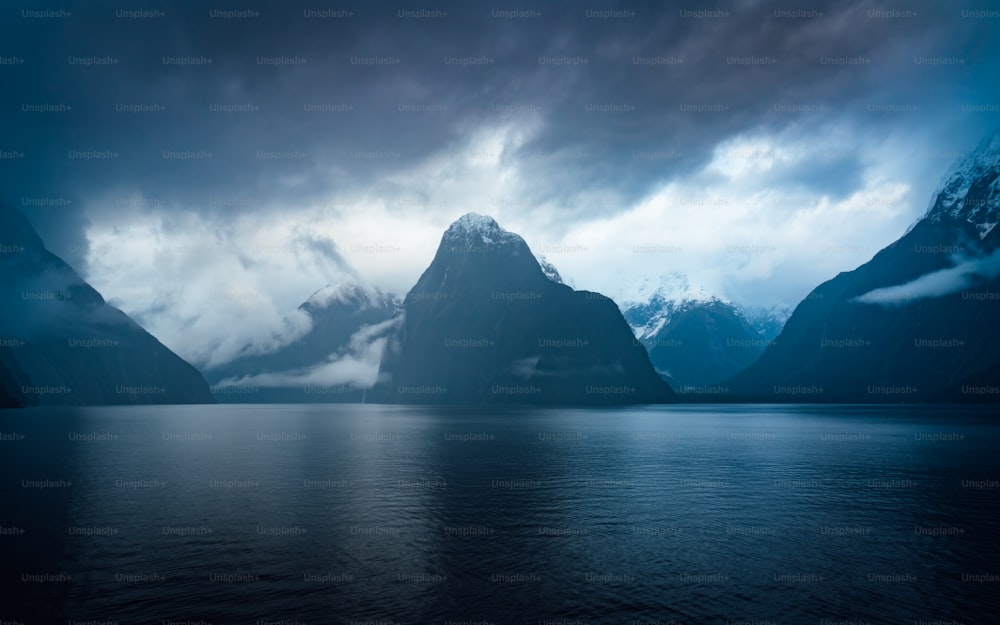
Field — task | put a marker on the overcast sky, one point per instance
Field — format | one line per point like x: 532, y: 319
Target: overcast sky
x: 208, y: 168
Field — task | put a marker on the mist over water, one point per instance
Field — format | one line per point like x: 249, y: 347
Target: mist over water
x: 400, y: 514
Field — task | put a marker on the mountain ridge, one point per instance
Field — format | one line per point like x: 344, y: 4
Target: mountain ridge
x: 916, y: 323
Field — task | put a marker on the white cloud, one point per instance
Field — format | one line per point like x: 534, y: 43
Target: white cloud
x: 736, y: 236
x: 936, y: 283
x: 358, y: 367
x: 211, y: 292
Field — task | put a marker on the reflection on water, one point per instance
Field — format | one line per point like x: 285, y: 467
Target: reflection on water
x: 333, y: 514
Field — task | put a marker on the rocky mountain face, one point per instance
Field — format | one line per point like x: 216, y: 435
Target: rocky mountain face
x: 486, y: 324
x: 62, y: 344
x: 918, y: 322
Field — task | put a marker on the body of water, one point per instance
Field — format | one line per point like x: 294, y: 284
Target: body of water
x: 378, y: 515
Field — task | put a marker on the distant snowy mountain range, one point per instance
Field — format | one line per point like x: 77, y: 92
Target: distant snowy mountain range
x: 651, y: 304
x: 695, y: 338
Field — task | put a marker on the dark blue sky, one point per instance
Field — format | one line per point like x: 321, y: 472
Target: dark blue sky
x: 207, y: 166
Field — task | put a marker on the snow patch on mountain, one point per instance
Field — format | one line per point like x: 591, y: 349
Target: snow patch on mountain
x: 673, y: 286
x: 472, y: 230
x: 971, y: 190
x: 649, y: 303
x: 481, y: 228
x: 654, y: 301
x: 349, y: 293
x: 549, y: 270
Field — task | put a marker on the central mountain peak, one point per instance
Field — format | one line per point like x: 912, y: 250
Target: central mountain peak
x: 485, y: 323
x: 478, y: 257
x: 479, y: 229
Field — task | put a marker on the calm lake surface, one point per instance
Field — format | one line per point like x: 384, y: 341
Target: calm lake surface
x: 377, y: 515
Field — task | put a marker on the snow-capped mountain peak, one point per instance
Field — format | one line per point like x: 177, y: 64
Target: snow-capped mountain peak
x: 648, y: 319
x: 474, y: 232
x: 481, y: 229
x: 667, y: 287
x: 971, y: 190
x: 649, y: 305
x: 654, y: 301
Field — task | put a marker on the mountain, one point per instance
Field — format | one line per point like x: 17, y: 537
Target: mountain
x: 648, y: 303
x: 696, y: 340
x: 345, y: 321
x: 62, y: 344
x: 695, y: 344
x: 916, y: 323
x: 485, y: 324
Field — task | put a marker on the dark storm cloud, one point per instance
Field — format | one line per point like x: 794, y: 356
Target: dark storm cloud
x: 274, y: 103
